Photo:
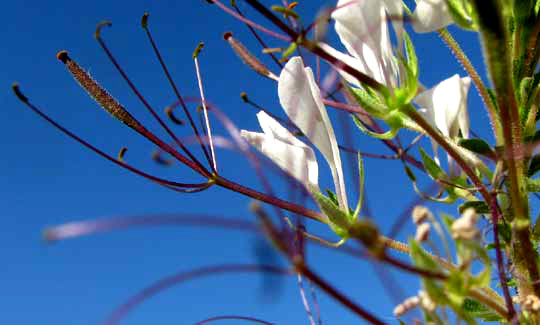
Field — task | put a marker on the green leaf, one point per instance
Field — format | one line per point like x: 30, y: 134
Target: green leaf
x: 478, y: 146
x: 361, y: 178
x: 369, y: 103
x: 425, y: 261
x: 409, y: 173
x: 533, y: 184
x: 505, y: 231
x: 332, y: 196
x: 412, y: 59
x: 479, y: 311
x: 480, y: 207
x: 389, y: 135
x: 461, y: 13
x: 287, y: 12
x: 534, y: 166
x: 432, y: 167
x: 339, y: 220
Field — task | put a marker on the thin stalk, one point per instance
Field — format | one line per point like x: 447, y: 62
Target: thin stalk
x: 477, y: 81
x: 499, y: 62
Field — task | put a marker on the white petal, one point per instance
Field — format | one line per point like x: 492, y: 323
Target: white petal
x: 445, y: 107
x: 272, y: 127
x: 300, y: 97
x: 463, y: 116
x: 443, y: 103
x: 349, y: 60
x: 297, y: 161
x: 430, y: 15
x: 361, y: 27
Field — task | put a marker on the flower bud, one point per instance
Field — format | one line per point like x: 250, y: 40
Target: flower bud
x: 420, y: 214
x: 465, y: 227
x: 422, y: 232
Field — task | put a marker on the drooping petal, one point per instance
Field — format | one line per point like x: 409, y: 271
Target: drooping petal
x: 300, y: 97
x: 347, y: 59
x: 445, y: 107
x: 362, y: 28
x: 294, y: 157
x: 430, y: 15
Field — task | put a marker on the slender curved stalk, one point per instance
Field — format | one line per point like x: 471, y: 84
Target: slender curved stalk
x: 482, y: 90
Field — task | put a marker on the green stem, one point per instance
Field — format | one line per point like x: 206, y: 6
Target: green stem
x: 482, y: 90
x: 497, y: 54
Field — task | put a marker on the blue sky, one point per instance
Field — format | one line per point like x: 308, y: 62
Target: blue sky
x: 50, y: 179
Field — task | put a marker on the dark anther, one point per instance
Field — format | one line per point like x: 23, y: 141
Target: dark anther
x: 105, y: 23
x: 144, y: 20
x: 121, y: 153
x: 227, y: 35
x: 172, y: 117
x: 18, y: 92
x: 244, y: 97
x: 198, y: 50
x: 63, y: 56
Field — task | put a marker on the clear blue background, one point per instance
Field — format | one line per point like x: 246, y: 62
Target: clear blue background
x: 48, y: 179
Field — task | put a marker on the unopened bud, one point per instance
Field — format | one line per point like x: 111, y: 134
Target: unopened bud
x: 465, y: 227
x: 406, y: 305
x: 421, y: 214
x: 422, y: 232
x: 532, y: 303
x: 426, y: 302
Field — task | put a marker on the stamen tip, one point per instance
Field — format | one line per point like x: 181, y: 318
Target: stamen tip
x: 227, y: 35
x: 144, y: 20
x: 198, y: 50
x: 244, y: 96
x: 104, y: 23
x: 63, y: 56
x: 18, y: 93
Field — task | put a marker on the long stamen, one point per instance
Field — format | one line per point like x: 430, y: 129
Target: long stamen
x: 144, y: 24
x: 158, y: 180
x: 194, y: 160
x: 205, y: 111
x: 248, y: 58
x: 256, y: 35
x: 98, y: 93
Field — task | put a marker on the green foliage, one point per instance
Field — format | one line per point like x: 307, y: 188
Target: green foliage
x: 340, y: 221
x: 534, y: 166
x: 432, y: 168
x: 480, y: 207
x: 478, y: 146
x: 477, y: 310
x: 361, y: 178
x: 462, y: 13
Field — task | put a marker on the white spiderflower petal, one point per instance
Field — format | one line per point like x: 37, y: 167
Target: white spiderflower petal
x: 300, y: 97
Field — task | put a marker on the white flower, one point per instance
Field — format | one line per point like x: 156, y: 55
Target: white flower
x: 465, y: 226
x: 445, y: 107
x: 431, y: 15
x: 289, y: 153
x: 300, y: 97
x: 361, y: 27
